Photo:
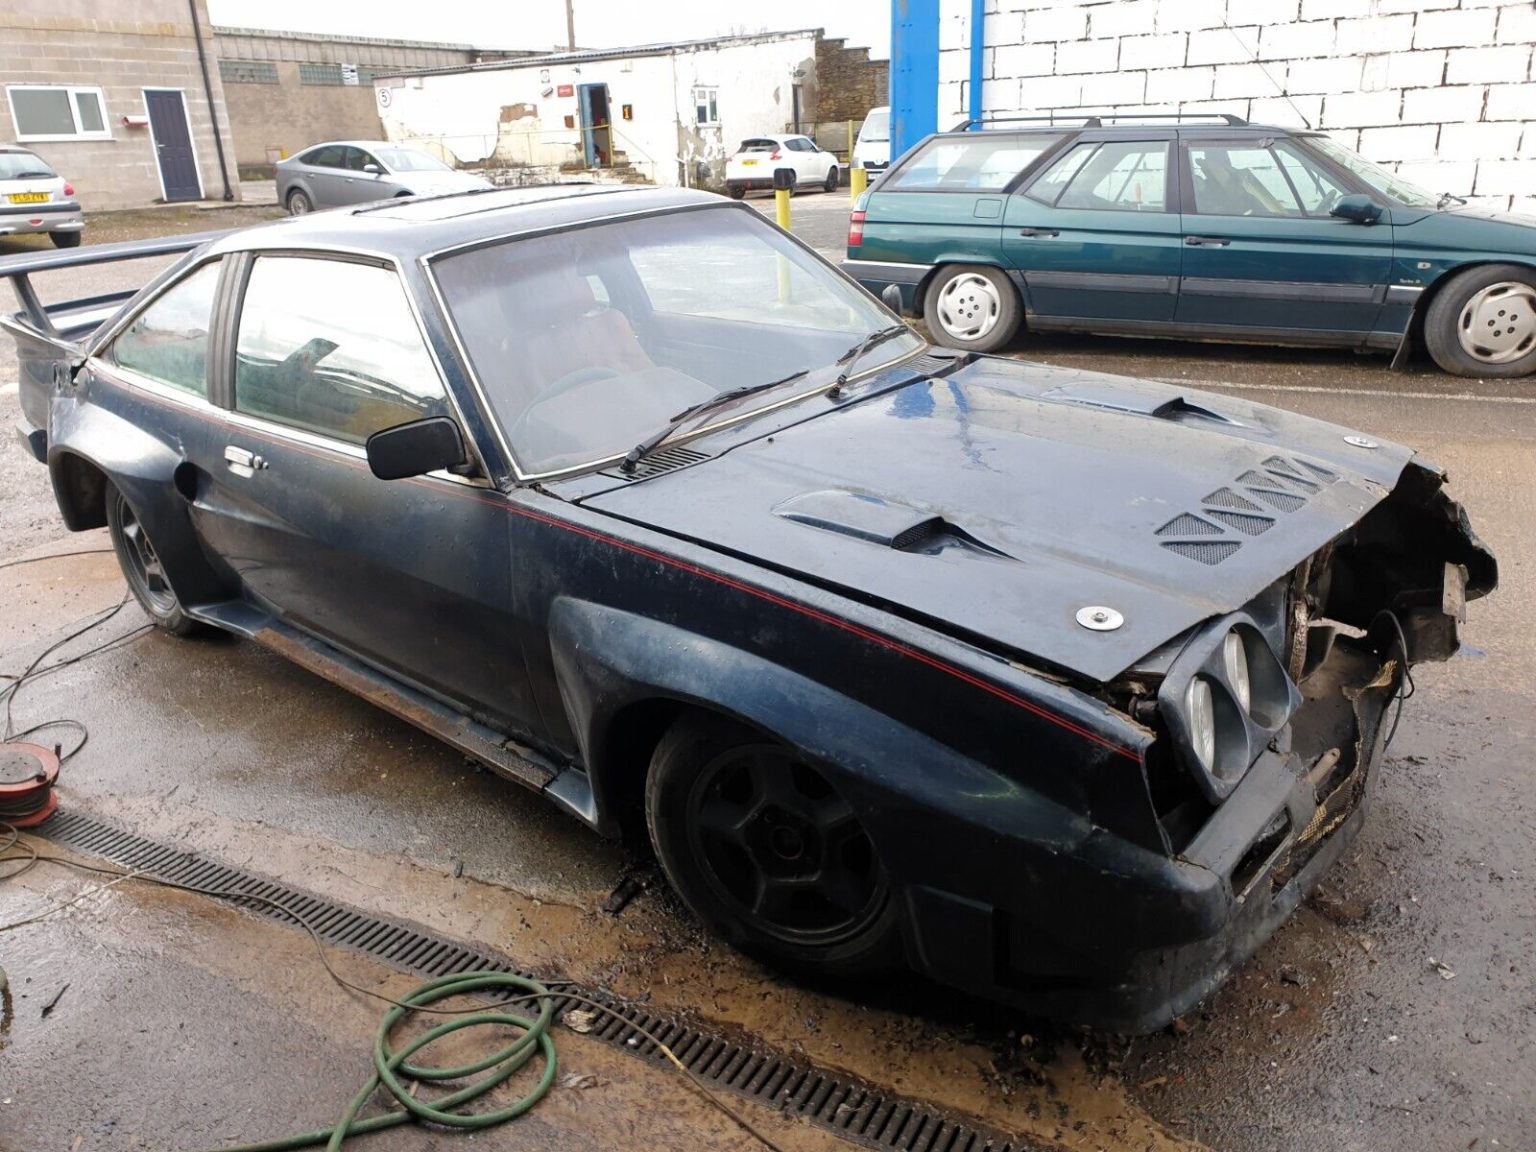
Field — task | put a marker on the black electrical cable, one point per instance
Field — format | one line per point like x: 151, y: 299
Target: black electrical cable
x: 1402, y: 644
x: 55, y: 556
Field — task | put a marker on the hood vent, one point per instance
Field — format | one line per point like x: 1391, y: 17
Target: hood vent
x: 665, y: 460
x: 897, y: 526
x: 1280, y: 484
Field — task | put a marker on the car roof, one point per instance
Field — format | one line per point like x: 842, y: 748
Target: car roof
x: 1089, y: 123
x: 408, y: 228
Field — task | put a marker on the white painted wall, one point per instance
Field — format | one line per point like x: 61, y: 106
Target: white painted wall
x: 1440, y: 90
x: 463, y: 112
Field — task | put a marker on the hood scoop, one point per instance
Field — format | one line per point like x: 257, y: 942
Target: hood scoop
x: 900, y: 527
x: 1137, y: 400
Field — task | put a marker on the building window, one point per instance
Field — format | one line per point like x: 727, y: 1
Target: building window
x: 367, y: 74
x: 322, y: 75
x: 705, y: 108
x: 58, y: 113
x: 247, y: 72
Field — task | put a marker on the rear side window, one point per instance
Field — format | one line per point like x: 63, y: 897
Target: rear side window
x: 331, y: 347
x: 1118, y: 176
x: 168, y: 341
x: 330, y: 156
x: 983, y: 162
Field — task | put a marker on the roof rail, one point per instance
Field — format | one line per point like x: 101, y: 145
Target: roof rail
x: 1096, y: 119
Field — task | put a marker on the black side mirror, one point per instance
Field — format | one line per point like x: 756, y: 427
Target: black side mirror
x: 890, y: 296
x: 416, y: 448
x: 1357, y: 206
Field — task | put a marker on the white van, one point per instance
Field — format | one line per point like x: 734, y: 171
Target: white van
x: 873, y: 148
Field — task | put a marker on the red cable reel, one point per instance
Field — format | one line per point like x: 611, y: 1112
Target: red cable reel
x: 27, y: 775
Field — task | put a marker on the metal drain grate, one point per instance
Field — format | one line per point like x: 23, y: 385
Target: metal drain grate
x: 853, y: 1109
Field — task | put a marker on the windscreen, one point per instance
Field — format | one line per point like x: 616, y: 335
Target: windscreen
x: 877, y: 127
x: 409, y: 160
x: 1387, y: 183
x: 588, y: 341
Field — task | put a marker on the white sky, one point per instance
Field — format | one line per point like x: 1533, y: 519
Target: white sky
x: 540, y: 24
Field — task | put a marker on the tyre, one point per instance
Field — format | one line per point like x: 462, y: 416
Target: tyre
x: 142, y: 568
x: 764, y: 851
x: 1483, y: 323
x: 972, y: 306
x: 737, y: 191
x: 299, y: 203
x: 65, y: 239
x: 830, y: 184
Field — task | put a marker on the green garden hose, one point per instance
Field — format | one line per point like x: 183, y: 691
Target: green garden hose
x: 389, y: 1066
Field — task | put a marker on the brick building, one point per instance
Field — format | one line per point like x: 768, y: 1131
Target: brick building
x: 1439, y: 89
x: 287, y: 90
x: 124, y: 99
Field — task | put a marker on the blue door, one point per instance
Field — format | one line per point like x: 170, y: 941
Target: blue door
x: 596, y: 128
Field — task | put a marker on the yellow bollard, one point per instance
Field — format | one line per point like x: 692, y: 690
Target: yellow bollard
x: 781, y: 207
x: 858, y: 180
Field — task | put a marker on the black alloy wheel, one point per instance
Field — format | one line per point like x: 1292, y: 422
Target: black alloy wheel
x: 763, y: 849
x: 143, y: 569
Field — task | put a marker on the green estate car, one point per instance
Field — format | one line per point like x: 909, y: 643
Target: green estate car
x: 1221, y: 230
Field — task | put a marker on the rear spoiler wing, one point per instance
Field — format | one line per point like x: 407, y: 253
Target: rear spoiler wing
x: 18, y: 269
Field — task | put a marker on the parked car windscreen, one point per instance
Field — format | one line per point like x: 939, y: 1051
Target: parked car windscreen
x: 877, y: 127
x: 983, y: 162
x: 409, y: 160
x: 23, y: 166
x: 588, y: 341
x: 1387, y: 183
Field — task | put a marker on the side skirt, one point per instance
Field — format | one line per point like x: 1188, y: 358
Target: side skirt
x: 567, y: 786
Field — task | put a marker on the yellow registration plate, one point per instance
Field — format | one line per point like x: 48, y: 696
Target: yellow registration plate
x: 748, y: 163
x: 29, y: 197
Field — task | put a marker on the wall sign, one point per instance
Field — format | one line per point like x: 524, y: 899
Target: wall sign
x: 566, y: 90
x: 628, y: 111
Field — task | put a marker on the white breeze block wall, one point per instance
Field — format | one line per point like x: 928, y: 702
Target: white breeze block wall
x: 1440, y: 90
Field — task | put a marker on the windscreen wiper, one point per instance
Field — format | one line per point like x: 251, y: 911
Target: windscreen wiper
x: 1447, y: 197
x: 851, y: 357
x: 651, y: 443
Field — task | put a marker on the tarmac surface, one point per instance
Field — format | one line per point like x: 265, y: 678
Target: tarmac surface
x: 1397, y: 1009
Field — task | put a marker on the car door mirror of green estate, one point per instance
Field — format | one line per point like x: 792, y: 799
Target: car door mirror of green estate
x: 1357, y: 206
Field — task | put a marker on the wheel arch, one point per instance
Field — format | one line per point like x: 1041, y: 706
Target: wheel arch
x: 920, y: 293
x: 1413, y: 335
x: 624, y: 679
x: 80, y: 490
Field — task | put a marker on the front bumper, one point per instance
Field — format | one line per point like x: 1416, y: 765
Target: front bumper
x: 20, y: 219
x: 1096, y: 936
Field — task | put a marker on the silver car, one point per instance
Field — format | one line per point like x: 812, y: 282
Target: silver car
x: 35, y: 198
x: 357, y: 171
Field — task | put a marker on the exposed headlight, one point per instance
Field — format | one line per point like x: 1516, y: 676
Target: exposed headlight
x: 1201, y: 712
x: 1234, y: 654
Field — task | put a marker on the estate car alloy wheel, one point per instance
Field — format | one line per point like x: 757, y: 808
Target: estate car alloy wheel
x: 143, y: 569
x: 299, y: 203
x: 972, y: 307
x: 1483, y: 323
x: 766, y: 853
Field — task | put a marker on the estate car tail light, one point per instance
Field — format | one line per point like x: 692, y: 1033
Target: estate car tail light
x: 69, y: 189
x: 855, y: 229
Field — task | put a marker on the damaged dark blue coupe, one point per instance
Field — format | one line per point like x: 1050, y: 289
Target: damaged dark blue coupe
x: 1059, y: 687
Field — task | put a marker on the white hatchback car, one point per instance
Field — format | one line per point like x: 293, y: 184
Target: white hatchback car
x: 35, y: 198
x: 759, y: 156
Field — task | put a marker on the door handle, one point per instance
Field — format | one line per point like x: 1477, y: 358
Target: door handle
x: 1206, y: 241
x: 1039, y: 232
x: 242, y: 462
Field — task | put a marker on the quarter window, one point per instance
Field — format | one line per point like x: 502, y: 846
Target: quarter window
x: 58, y: 113
x: 168, y: 341
x: 331, y: 347
x: 1240, y: 180
x: 1122, y: 176
x: 981, y: 163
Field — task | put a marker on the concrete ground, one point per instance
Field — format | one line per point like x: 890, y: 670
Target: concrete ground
x: 1396, y: 1009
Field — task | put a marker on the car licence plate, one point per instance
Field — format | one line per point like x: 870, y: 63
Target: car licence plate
x: 29, y: 197
x: 748, y: 163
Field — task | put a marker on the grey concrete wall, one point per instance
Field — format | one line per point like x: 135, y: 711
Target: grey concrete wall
x: 121, y: 47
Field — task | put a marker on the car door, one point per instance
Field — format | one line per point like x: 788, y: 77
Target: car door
x: 326, y: 173
x: 361, y: 186
x: 407, y: 575
x: 1096, y: 234
x: 1261, y: 252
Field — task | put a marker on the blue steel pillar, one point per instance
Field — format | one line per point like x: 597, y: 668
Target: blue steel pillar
x: 978, y: 43
x: 914, y: 72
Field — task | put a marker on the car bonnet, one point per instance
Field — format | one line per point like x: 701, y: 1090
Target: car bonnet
x: 1000, y: 501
